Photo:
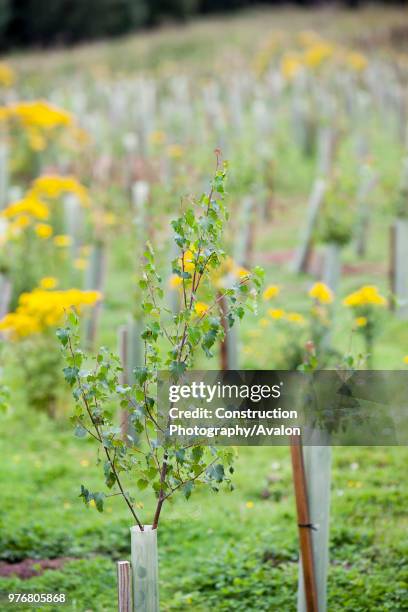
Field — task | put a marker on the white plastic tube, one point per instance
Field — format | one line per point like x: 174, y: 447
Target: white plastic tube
x: 145, y: 572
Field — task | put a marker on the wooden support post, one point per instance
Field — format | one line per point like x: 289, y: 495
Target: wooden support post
x: 304, y: 524
x: 124, y: 586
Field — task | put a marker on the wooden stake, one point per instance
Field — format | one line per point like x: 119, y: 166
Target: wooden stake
x: 124, y: 586
x: 305, y: 536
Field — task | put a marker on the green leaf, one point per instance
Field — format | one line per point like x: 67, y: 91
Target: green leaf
x: 71, y: 374
x: 216, y: 472
x: 63, y: 335
x: 187, y: 489
x: 177, y: 369
x: 142, y: 484
x: 80, y: 432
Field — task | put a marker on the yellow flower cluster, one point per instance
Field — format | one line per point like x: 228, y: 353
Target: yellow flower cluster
x: 291, y: 65
x: 42, y: 309
x: 368, y: 295
x: 200, y: 308
x: 321, y: 293
x: 38, y: 113
x: 39, y: 119
x: 7, y: 76
x: 271, y: 292
x: 53, y: 186
x: 28, y: 205
x: 292, y: 317
x: 315, y: 52
x: 31, y: 207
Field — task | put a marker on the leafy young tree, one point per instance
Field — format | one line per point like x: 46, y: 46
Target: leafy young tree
x: 171, y: 342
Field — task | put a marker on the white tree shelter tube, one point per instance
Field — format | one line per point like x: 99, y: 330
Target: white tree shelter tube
x: 145, y: 569
x: 317, y: 460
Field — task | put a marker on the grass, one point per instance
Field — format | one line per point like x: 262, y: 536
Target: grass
x: 235, y: 551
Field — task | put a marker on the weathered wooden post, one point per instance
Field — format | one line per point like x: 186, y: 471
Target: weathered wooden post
x: 313, y: 208
x: 307, y: 593
x: 124, y: 586
x: 317, y: 467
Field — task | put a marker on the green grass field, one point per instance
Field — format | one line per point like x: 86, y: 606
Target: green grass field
x: 235, y: 551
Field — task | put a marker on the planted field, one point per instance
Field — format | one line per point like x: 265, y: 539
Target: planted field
x: 263, y: 159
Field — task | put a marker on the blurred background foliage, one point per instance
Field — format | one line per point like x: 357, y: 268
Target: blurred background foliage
x: 59, y: 22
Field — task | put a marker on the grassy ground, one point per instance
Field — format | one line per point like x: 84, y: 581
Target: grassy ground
x: 233, y: 551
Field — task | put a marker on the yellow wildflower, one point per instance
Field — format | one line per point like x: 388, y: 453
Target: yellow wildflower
x: 201, y: 308
x: 240, y: 272
x: 7, y: 76
x: 249, y: 504
x: 41, y: 114
x: 80, y: 263
x: 22, y: 222
x: 40, y: 309
x: 405, y: 360
x: 48, y: 282
x: 36, y: 139
x: 188, y: 261
x: 290, y: 66
x: 175, y: 281
x: 365, y: 296
x: 175, y: 151
x: 357, y: 61
x: 361, y: 321
x: 276, y: 313
x: 43, y: 230
x: 270, y: 292
x: 322, y: 293
x: 317, y: 54
x: 295, y: 317
x: 53, y: 186
x: 28, y: 205
x: 157, y: 137
x: 62, y: 240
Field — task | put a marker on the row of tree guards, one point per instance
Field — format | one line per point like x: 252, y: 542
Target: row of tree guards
x: 311, y: 465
